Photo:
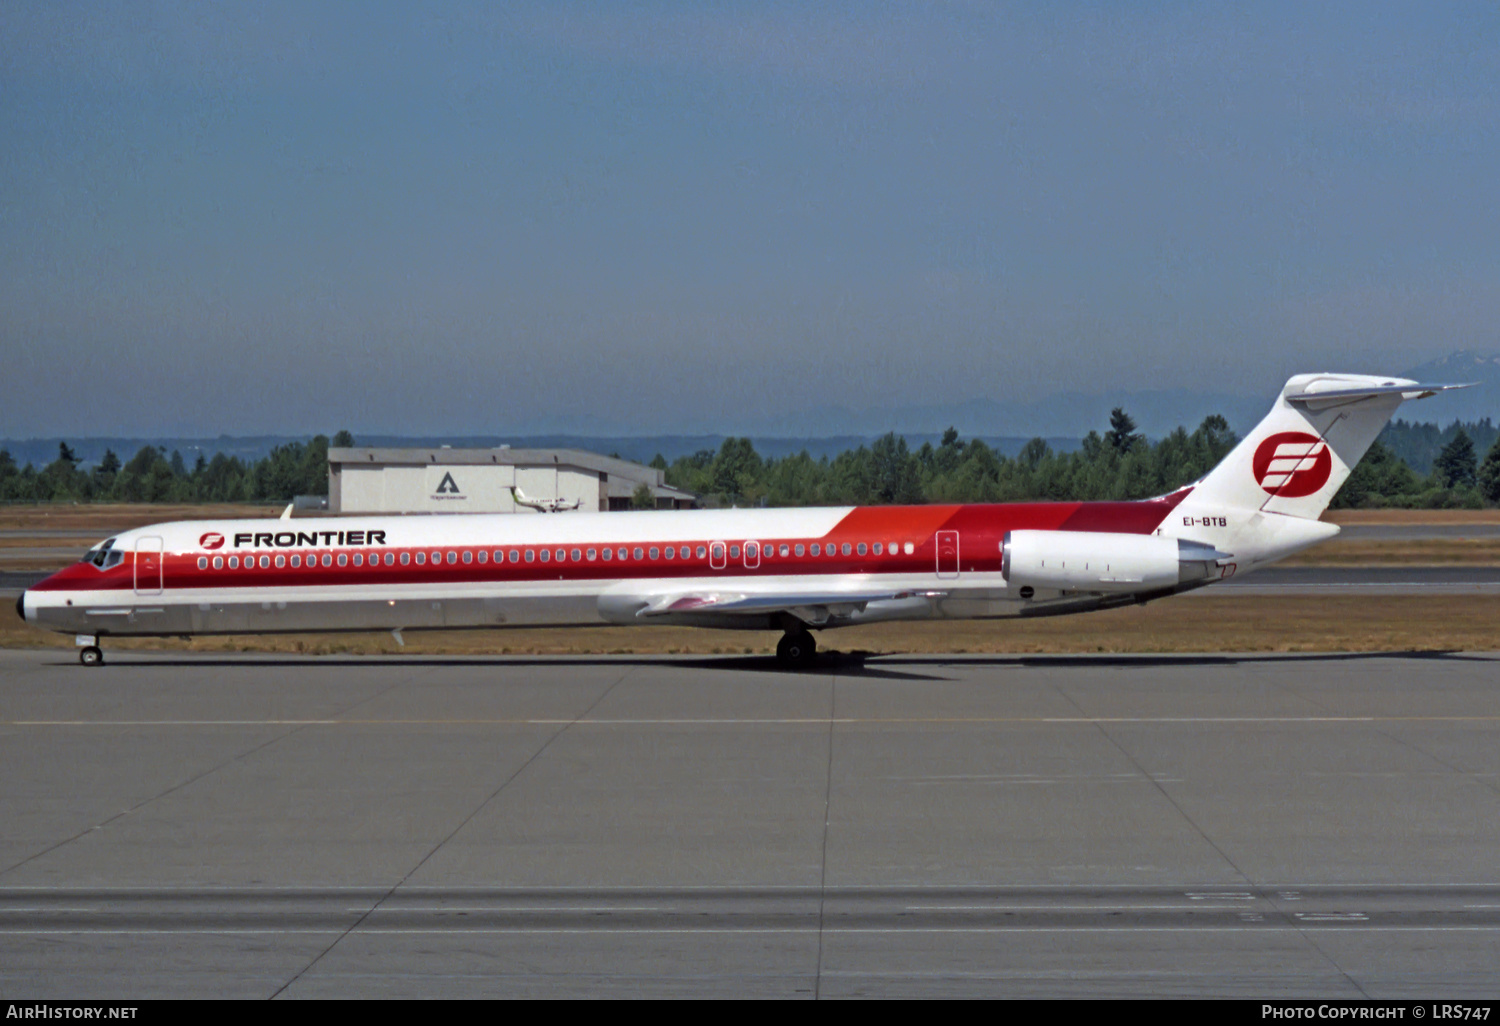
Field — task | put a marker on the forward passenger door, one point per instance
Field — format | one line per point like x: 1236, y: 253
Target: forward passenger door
x: 148, y: 559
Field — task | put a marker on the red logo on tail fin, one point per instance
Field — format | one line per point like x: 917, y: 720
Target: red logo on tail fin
x: 1292, y: 464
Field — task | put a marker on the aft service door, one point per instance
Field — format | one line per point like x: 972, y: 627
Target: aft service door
x: 947, y: 553
x: 148, y: 566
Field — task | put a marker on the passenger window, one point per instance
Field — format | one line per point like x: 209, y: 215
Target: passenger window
x: 877, y: 548
x: 751, y: 547
x: 685, y: 551
x: 702, y: 551
x: 296, y: 561
x: 640, y: 553
x: 234, y: 562
x: 452, y: 557
x: 421, y: 559
x: 343, y: 559
x: 909, y: 548
x: 546, y: 555
x: 655, y: 552
x: 265, y: 562
x: 359, y: 559
x: 785, y: 551
x: 390, y: 559
x: 515, y: 555
x: 624, y: 554
x: 202, y: 562
x: 561, y: 555
x: 468, y: 556
x: 405, y: 558
x: 593, y: 554
x: 671, y: 553
x: 862, y: 549
x: 484, y: 557
x: 280, y: 562
x: 218, y: 562
x: 801, y: 550
x: 327, y: 559
x: 609, y: 553
x: 846, y: 548
x: 734, y: 552
x: 816, y: 550
x: 530, y: 555
x: 575, y: 555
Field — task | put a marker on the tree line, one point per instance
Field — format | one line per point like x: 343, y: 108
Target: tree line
x: 151, y: 475
x: 1119, y: 463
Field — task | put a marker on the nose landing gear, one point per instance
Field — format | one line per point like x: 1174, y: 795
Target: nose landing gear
x: 796, y: 649
x: 93, y: 655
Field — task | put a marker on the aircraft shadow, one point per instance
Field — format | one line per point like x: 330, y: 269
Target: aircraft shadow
x: 830, y: 663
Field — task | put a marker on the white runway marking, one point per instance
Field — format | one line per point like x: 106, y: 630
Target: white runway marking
x: 470, y: 930
x: 759, y: 722
x: 1070, y: 908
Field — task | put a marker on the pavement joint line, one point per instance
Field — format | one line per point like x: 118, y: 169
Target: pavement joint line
x: 811, y: 721
x: 1345, y: 927
x: 184, y: 784
x: 454, y: 832
x: 833, y: 698
x: 1202, y: 833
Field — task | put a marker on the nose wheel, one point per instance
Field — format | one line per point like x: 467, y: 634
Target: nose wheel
x: 93, y: 655
x: 796, y: 648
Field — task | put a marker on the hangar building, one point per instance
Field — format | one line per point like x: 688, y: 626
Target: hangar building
x: 375, y: 480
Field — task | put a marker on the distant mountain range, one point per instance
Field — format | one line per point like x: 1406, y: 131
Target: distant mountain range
x: 41, y: 451
x: 1065, y: 414
x: 1469, y: 404
x: 1062, y: 419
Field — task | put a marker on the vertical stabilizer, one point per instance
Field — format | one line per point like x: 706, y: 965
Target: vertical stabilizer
x: 1299, y: 456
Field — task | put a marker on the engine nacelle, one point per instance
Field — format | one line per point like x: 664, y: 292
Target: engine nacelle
x: 1095, y: 561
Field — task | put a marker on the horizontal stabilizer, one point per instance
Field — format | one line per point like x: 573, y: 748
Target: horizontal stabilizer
x: 1405, y: 389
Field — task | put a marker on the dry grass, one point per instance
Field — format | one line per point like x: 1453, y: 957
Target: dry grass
x: 107, y: 517
x: 110, y: 518
x: 1196, y: 623
x: 1407, y: 517
x: 1428, y: 552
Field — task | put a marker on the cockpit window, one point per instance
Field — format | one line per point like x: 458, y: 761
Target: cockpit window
x: 104, y: 555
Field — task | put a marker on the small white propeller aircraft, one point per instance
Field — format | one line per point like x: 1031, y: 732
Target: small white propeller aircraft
x: 787, y: 570
x: 558, y: 505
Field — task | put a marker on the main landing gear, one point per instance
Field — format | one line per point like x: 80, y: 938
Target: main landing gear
x: 93, y: 655
x: 796, y: 649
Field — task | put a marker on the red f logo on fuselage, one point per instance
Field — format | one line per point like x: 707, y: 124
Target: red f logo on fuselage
x: 1292, y: 464
x: 212, y: 540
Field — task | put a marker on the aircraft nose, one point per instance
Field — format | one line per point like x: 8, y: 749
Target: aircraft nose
x: 21, y: 606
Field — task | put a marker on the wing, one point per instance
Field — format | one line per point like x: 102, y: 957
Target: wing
x: 813, y: 607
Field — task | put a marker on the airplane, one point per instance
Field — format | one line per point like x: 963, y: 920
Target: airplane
x: 558, y: 505
x: 787, y: 570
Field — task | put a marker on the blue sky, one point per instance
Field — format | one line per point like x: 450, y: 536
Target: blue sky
x: 642, y: 217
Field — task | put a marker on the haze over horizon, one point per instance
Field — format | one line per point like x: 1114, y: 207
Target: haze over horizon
x: 645, y: 218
